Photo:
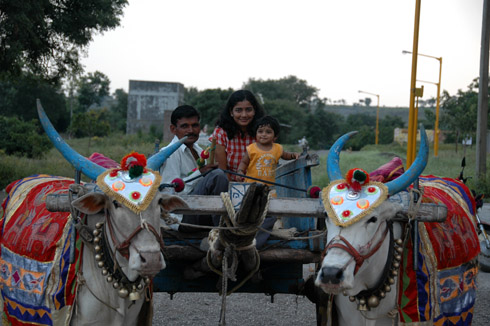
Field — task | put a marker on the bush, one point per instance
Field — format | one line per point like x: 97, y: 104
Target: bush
x: 21, y: 138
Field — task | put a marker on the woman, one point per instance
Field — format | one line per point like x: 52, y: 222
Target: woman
x: 234, y: 129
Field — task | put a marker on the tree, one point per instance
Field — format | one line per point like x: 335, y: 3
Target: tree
x: 119, y: 110
x: 18, y: 98
x: 322, y: 128
x: 208, y: 102
x: 47, y: 37
x: 387, y: 127
x: 21, y: 138
x: 367, y: 101
x: 291, y: 118
x: 288, y: 88
x: 92, y: 89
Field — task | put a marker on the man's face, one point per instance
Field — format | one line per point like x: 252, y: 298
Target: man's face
x: 187, y: 127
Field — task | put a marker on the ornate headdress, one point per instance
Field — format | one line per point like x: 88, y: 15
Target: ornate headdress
x: 134, y: 185
x: 348, y: 200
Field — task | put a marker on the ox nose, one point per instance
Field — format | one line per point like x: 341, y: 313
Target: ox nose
x: 151, y: 262
x: 331, y: 275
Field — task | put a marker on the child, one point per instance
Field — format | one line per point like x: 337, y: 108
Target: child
x: 261, y: 159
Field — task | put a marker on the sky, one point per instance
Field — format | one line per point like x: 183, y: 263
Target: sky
x: 339, y: 47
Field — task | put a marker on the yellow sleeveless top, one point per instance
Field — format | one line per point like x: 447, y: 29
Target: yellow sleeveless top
x: 263, y: 164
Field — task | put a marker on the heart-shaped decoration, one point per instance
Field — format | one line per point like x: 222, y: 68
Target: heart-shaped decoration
x: 346, y: 206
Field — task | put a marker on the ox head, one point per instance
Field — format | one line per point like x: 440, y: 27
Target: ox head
x: 132, y: 221
x: 359, y: 216
x: 141, y: 256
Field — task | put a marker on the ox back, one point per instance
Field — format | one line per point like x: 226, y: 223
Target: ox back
x: 442, y: 288
x: 38, y: 285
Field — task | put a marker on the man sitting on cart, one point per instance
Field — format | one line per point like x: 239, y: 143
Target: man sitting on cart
x: 185, y: 121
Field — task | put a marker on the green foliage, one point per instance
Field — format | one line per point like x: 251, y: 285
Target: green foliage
x: 91, y: 90
x: 288, y: 88
x: 91, y: 123
x: 387, y: 127
x: 47, y: 37
x: 291, y: 118
x: 208, y: 102
x: 118, y: 111
x: 21, y: 138
x: 321, y: 128
x: 18, y: 98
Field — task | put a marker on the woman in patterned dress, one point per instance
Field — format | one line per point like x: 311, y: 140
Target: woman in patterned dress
x: 234, y: 129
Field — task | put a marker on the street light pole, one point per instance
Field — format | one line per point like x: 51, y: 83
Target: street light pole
x: 436, y: 124
x: 377, y: 117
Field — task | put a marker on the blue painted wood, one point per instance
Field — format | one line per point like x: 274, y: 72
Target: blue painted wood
x: 296, y: 173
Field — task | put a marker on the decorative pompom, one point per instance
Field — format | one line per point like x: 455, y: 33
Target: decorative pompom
x: 313, y: 191
x: 201, y: 162
x: 356, y: 178
x: 205, y: 154
x: 134, y: 163
x: 179, y: 184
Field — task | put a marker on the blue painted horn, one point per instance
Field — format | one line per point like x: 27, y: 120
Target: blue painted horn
x: 402, y: 182
x: 81, y: 163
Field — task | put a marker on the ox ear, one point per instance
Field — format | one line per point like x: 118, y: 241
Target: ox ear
x: 91, y: 203
x: 170, y: 203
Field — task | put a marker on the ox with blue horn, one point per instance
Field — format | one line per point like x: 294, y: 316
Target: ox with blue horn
x: 117, y: 246
x: 369, y: 274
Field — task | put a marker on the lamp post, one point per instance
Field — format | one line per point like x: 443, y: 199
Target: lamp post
x: 436, y: 125
x: 377, y: 116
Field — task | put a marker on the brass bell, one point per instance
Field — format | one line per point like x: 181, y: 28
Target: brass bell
x: 123, y: 292
x: 98, y: 257
x: 394, y: 272
x: 133, y: 296
x: 382, y: 294
x: 97, y: 248
x: 100, y: 264
x: 115, y: 285
x: 96, y: 239
x: 396, y: 264
x: 147, y: 280
x: 399, y: 249
x: 96, y: 232
x: 387, y: 288
x: 391, y: 280
x: 109, y: 278
x: 373, y: 301
x: 399, y: 242
x: 398, y: 257
x: 104, y: 271
x: 99, y: 225
x: 362, y: 307
x: 352, y: 298
x: 140, y: 286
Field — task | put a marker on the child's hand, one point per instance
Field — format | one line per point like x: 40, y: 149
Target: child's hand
x: 295, y: 156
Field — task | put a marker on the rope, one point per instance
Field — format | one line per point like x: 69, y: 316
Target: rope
x: 414, y: 206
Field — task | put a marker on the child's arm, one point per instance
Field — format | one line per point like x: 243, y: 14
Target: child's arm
x: 242, y: 167
x: 289, y: 155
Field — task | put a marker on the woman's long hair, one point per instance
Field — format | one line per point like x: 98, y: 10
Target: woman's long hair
x: 226, y: 121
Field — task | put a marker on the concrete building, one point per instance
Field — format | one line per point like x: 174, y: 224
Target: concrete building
x: 150, y: 104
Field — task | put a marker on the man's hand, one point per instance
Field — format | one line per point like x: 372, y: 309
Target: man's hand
x: 208, y: 167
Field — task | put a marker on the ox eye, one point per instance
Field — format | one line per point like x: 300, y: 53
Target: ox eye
x: 116, y: 204
x: 373, y: 219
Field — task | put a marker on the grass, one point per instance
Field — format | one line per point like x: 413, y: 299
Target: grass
x: 447, y: 164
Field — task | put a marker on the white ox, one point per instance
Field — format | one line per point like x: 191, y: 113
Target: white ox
x: 362, y: 258
x: 123, y: 251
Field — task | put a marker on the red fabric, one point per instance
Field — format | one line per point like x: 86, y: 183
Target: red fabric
x: 235, y: 148
x: 389, y: 171
x: 103, y: 161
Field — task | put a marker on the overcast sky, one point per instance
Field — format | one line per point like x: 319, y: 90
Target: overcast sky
x: 339, y: 47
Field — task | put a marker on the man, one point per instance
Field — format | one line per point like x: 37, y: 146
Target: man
x: 183, y: 164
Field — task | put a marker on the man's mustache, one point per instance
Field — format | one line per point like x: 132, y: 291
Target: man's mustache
x: 192, y: 135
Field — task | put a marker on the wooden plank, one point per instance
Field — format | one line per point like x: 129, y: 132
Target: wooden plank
x: 213, y: 205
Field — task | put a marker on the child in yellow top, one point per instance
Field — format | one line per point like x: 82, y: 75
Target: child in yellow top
x: 261, y: 159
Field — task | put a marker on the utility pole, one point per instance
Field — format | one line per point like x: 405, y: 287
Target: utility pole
x: 481, y: 129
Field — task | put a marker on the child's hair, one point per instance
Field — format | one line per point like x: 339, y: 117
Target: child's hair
x: 267, y: 121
